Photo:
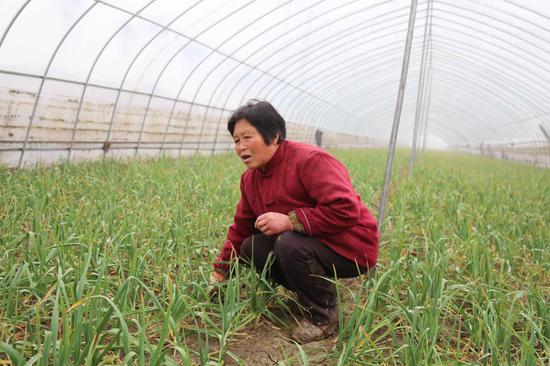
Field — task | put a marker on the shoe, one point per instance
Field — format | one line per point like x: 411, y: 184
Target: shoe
x: 290, y: 310
x: 295, y: 309
x: 307, y: 331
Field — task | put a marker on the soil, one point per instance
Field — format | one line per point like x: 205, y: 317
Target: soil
x: 266, y: 343
x: 269, y: 343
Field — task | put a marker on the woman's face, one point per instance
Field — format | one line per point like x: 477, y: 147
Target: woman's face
x: 250, y: 145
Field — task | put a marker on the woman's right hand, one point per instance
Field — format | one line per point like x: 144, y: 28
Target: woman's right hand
x: 214, y: 284
x: 273, y: 223
x: 216, y: 277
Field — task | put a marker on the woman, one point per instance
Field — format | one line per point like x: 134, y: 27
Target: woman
x: 297, y: 202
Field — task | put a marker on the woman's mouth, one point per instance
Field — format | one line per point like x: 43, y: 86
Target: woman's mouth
x: 246, y: 158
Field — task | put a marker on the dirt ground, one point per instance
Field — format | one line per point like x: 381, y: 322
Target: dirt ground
x: 266, y: 342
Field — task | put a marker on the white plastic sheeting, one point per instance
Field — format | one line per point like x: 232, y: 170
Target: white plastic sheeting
x: 169, y: 72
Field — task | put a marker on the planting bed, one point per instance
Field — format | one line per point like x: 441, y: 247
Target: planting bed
x: 108, y: 263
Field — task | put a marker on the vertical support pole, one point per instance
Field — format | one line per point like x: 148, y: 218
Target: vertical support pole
x: 426, y: 109
x: 420, y: 92
x: 397, y: 114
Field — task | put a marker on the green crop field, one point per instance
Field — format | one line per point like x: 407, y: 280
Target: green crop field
x: 108, y: 263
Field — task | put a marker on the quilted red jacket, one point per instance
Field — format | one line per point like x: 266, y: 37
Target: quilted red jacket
x: 315, y: 189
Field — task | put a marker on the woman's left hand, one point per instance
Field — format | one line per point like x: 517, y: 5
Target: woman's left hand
x: 273, y: 223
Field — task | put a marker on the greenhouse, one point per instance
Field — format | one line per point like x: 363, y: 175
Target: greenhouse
x: 415, y: 141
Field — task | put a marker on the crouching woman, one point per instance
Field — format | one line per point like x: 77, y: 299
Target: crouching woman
x: 298, y: 203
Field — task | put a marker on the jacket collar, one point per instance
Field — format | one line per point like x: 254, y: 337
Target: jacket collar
x: 276, y: 159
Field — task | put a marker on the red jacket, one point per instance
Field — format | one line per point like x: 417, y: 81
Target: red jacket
x: 317, y: 187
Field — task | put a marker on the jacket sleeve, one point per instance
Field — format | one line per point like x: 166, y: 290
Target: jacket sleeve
x: 242, y: 227
x: 328, y: 183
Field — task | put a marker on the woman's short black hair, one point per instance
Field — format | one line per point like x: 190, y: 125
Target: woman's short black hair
x: 264, y: 117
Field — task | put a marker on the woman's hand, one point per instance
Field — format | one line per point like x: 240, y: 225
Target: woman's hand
x: 214, y: 285
x: 273, y: 223
x: 216, y: 277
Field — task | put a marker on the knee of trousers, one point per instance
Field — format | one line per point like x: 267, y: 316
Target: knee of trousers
x: 254, y: 251
x: 289, y: 247
x: 245, y: 251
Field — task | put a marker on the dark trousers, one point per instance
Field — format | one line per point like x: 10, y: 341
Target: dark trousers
x: 300, y: 263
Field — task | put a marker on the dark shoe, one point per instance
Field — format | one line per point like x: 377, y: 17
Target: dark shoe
x: 295, y: 309
x: 307, y: 331
x: 289, y: 310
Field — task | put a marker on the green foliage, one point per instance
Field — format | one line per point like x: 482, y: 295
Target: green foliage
x: 108, y: 263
